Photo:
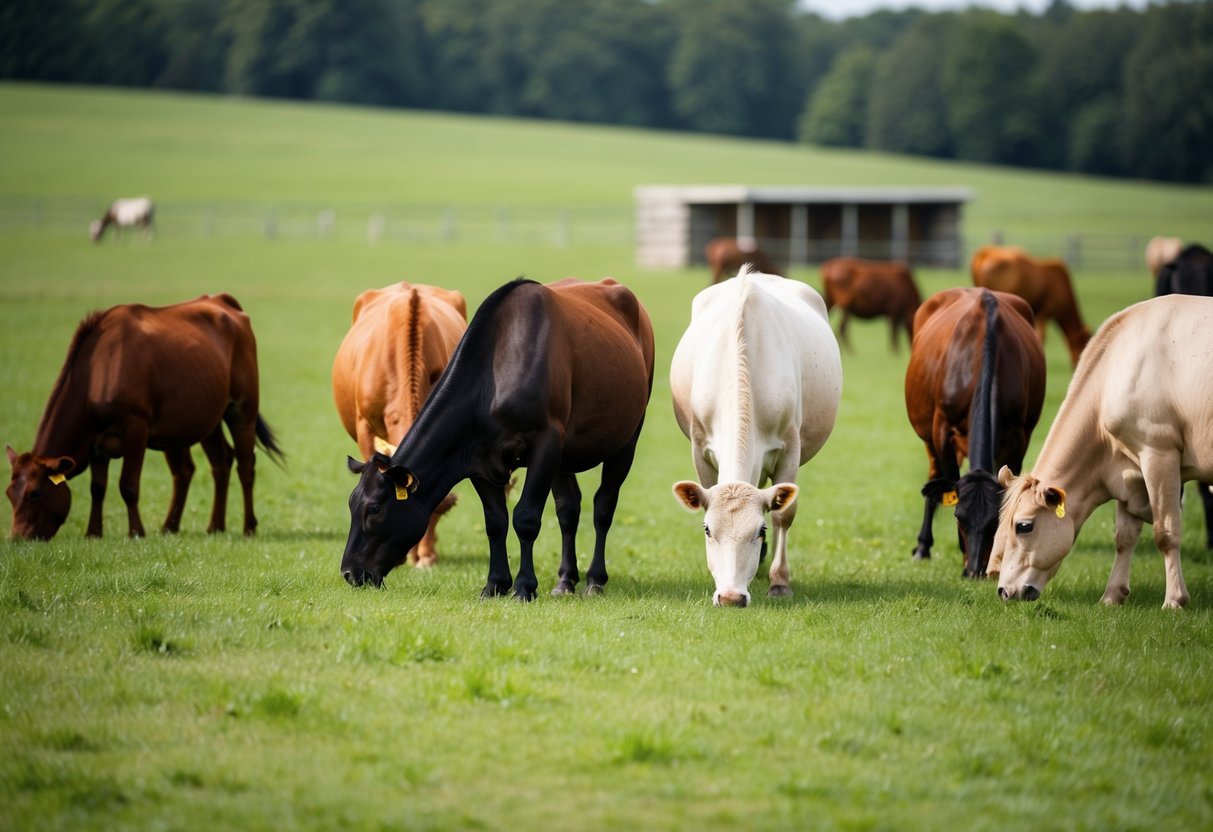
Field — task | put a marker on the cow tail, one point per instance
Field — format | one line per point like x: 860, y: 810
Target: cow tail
x: 982, y: 432
x: 269, y: 442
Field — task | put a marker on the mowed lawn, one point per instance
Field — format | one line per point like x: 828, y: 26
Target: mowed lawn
x: 202, y: 681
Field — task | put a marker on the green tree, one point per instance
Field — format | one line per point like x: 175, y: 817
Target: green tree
x: 837, y: 112
x: 987, y: 79
x: 907, y: 109
x: 1168, y: 126
x: 729, y: 72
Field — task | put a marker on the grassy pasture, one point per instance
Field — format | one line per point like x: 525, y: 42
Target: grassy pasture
x: 201, y: 682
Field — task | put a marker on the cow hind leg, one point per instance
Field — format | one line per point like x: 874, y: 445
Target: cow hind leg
x: 425, y: 554
x: 567, y: 495
x: 219, y: 455
x: 615, y: 470
x: 181, y: 466
x: 1206, y: 497
x: 244, y: 438
x: 1164, y: 485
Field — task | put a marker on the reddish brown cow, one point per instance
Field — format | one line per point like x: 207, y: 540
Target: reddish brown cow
x: 139, y: 377
x: 974, y: 387
x: 870, y: 289
x: 400, y: 341
x: 1043, y: 283
x: 726, y: 256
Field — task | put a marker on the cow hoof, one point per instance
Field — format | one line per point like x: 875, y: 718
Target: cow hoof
x: 526, y: 596
x: 427, y: 562
x: 921, y: 553
x: 594, y: 589
x: 494, y: 590
x: 563, y: 589
x: 779, y: 591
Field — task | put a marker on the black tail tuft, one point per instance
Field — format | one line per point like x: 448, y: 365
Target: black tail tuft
x: 269, y: 442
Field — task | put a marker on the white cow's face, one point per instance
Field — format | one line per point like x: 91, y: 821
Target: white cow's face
x: 1033, y: 537
x: 734, y: 526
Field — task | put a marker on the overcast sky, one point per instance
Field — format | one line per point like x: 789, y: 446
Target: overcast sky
x: 838, y: 9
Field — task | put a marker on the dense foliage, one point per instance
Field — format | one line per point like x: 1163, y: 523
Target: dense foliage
x: 1121, y: 92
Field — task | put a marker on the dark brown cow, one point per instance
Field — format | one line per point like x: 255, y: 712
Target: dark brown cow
x: 871, y: 289
x: 138, y: 377
x: 399, y: 342
x: 726, y: 256
x: 975, y: 385
x: 554, y: 379
x: 1043, y: 283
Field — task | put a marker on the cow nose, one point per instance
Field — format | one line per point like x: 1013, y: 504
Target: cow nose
x: 1030, y: 593
x: 732, y: 599
x: 348, y: 574
x: 1002, y: 593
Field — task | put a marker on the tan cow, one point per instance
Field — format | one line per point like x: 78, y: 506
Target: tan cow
x: 726, y: 256
x: 1043, y: 283
x: 1137, y: 421
x: 400, y: 341
x: 1162, y: 250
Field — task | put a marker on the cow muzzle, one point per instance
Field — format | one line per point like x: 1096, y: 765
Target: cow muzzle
x: 731, y: 598
x: 356, y: 577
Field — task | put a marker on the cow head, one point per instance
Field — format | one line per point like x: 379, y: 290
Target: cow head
x: 386, y: 520
x: 734, y: 526
x: 39, y: 494
x: 1035, y: 533
x: 978, y: 500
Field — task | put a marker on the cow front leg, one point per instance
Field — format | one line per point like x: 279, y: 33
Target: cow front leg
x: 543, y: 460
x: 98, y: 482
x: 181, y: 466
x: 134, y: 447
x: 1128, y: 530
x: 496, y: 526
x: 568, y: 512
x: 1206, y: 499
x: 219, y: 455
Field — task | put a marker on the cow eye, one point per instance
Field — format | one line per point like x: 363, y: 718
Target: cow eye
x: 1024, y: 527
x: 373, y: 508
x: 706, y: 530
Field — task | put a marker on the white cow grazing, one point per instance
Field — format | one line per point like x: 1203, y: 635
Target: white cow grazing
x: 756, y: 381
x: 125, y: 213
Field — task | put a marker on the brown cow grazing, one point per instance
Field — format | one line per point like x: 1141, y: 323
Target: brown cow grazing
x: 139, y: 377
x: 975, y: 385
x: 870, y: 289
x: 1043, y: 283
x: 726, y: 256
x: 400, y: 341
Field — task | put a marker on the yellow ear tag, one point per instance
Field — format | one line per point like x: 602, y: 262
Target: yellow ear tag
x: 57, y: 479
x: 950, y: 498
x: 1061, y: 510
x: 402, y: 493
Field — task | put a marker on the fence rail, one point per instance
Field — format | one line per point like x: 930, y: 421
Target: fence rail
x: 419, y: 223
x: 414, y: 223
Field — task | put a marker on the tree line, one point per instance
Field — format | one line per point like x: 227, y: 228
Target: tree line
x: 1116, y: 92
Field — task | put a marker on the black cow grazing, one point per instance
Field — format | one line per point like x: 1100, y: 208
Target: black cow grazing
x: 975, y: 386
x: 1191, y: 273
x: 554, y: 379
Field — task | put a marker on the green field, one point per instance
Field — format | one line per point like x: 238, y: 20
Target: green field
x: 216, y: 682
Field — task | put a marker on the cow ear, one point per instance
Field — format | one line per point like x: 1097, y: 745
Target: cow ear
x: 12, y: 455
x: 356, y: 466
x: 693, y: 496
x: 1055, y: 498
x: 1005, y: 476
x: 780, y: 496
x: 404, y: 481
x: 58, y: 466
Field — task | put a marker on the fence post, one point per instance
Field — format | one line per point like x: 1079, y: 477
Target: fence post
x: 1073, y: 256
x: 374, y: 228
x: 562, y: 229
x: 449, y: 225
x: 271, y: 226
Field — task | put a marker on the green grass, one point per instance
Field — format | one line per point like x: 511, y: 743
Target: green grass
x: 216, y: 682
